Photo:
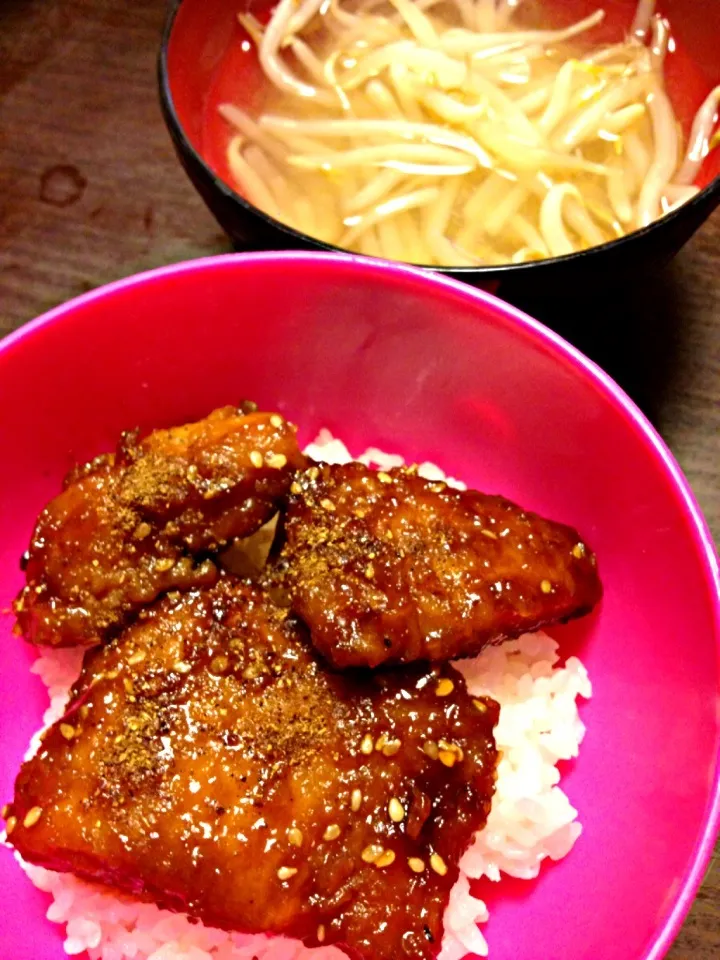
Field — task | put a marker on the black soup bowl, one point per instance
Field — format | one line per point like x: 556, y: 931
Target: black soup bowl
x: 199, y: 33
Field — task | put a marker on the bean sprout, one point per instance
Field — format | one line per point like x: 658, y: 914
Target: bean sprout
x: 666, y: 157
x: 699, y: 142
x: 641, y: 21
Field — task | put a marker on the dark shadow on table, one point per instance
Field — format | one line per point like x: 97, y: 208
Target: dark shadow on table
x: 635, y: 334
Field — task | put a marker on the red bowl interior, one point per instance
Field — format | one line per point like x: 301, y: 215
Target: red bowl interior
x: 207, y: 65
x: 409, y: 362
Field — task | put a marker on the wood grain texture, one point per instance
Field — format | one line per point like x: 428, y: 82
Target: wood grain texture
x: 90, y: 191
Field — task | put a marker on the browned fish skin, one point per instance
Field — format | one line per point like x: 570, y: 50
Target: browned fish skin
x: 134, y: 524
x: 391, y: 568
x: 210, y: 761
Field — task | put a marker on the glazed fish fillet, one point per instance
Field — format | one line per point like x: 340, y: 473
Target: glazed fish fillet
x: 386, y: 567
x: 211, y: 762
x: 131, y: 525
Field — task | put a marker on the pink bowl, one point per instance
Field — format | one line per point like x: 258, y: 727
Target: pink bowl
x: 389, y: 356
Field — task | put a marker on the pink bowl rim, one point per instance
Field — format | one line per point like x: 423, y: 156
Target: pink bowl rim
x: 581, y: 365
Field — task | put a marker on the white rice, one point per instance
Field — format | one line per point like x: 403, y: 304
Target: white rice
x: 531, y: 818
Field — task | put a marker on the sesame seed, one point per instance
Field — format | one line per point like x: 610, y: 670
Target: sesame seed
x: 444, y: 687
x: 578, y: 551
x: 276, y: 421
x: 313, y: 473
x: 321, y: 933
x: 32, y: 816
x: 367, y: 745
x: 384, y: 477
x: 396, y: 810
x: 385, y: 859
x: 430, y: 748
x: 332, y: 832
x: 295, y: 837
x: 380, y: 742
x: 256, y: 458
x: 165, y: 564
x: 437, y: 487
x: 416, y: 864
x: 372, y: 852
x: 295, y: 487
x: 142, y: 530
x: 489, y: 534
x: 10, y: 825
x: 447, y: 758
x: 5, y: 811
x: 438, y: 864
x: 327, y: 504
x: 67, y: 731
x: 277, y: 461
x: 546, y: 586
x: 182, y: 667
x: 284, y: 873
x: 391, y: 748
x: 369, y: 571
x: 453, y: 748
x: 219, y: 664
x: 127, y: 684
x: 479, y: 705
x: 136, y: 658
x: 356, y: 800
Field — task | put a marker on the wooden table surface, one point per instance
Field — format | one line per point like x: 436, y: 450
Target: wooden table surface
x: 90, y: 191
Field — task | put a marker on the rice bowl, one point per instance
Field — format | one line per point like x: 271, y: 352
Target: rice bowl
x: 619, y: 693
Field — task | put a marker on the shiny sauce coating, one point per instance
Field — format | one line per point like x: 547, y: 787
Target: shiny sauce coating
x: 149, y: 518
x: 387, y: 567
x: 211, y: 762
